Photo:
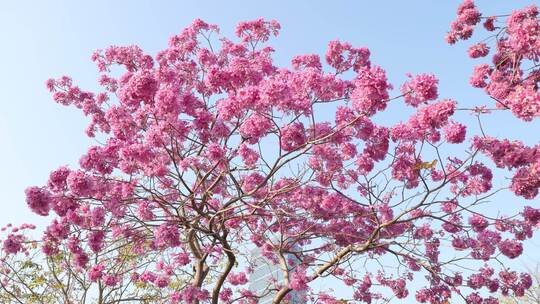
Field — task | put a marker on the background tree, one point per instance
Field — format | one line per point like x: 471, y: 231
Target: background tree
x: 208, y: 150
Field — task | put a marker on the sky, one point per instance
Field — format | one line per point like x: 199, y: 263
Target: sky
x: 43, y: 39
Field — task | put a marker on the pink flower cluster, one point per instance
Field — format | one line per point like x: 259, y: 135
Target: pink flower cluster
x: 455, y: 132
x: 167, y: 235
x: 342, y: 56
x: 467, y: 17
x: 16, y: 241
x: 39, y: 200
x: 370, y: 92
x: 420, y: 89
x: 478, y: 50
x: 512, y: 78
x: 514, y: 154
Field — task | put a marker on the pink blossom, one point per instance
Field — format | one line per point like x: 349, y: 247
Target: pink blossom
x: 307, y: 61
x: 182, y: 259
x: 161, y: 282
x: 96, y: 272
x: 511, y: 248
x: 167, y: 235
x: 190, y: 294
x: 248, y: 155
x: 225, y: 294
x: 257, y: 30
x: 433, y: 116
x: 489, y: 23
x: 370, y: 92
x: 39, y: 200
x: 215, y: 152
x: 423, y: 232
x: 144, y: 211
x: 131, y: 57
x: 110, y: 280
x: 505, y: 153
x: 526, y: 182
x: 57, y: 179
x: 478, y: 223
x: 81, y: 258
x: 525, y: 102
x: 141, y: 86
x: 523, y: 30
x: 79, y: 183
x: 148, y: 276
x: 462, y: 27
x: 298, y: 279
x: 13, y: 244
x: 96, y: 240
x: 238, y: 279
x: 455, y: 132
x: 292, y: 136
x: 252, y: 181
x: 255, y: 127
x: 480, y: 74
x: 342, y: 56
x: 532, y: 215
x: 478, y: 50
x: 420, y: 89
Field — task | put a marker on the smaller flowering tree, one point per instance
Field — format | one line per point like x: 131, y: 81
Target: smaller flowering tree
x: 209, y: 152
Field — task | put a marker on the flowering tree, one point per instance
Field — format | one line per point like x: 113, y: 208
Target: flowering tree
x: 531, y: 296
x: 211, y: 151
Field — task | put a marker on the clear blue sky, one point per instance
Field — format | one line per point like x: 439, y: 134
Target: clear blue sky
x: 42, y: 39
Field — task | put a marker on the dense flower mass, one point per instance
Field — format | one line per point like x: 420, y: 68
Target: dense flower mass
x: 455, y: 133
x: 39, y: 200
x: 420, y: 89
x: 467, y: 17
x: 514, y: 155
x: 478, y: 50
x: 370, y: 92
x: 214, y: 163
x: 512, y: 78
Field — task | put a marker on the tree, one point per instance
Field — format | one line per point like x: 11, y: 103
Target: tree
x: 208, y: 152
x: 531, y: 296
